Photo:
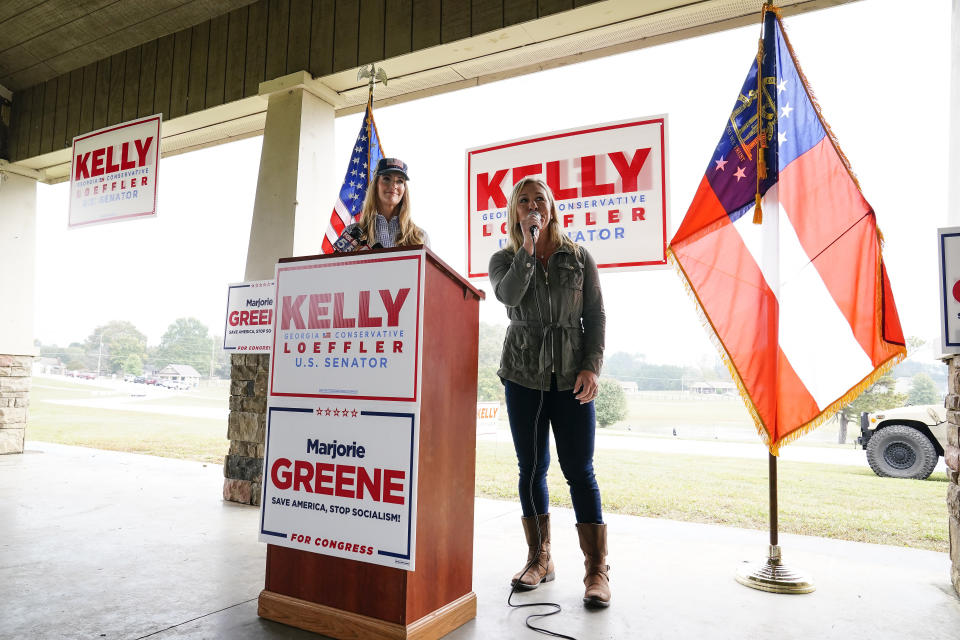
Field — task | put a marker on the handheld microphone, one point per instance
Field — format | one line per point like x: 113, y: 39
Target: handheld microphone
x: 350, y: 240
x: 535, y: 228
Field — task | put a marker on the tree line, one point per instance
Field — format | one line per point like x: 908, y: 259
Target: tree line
x: 118, y: 347
x: 926, y: 379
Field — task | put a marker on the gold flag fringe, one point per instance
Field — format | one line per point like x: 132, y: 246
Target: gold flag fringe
x: 775, y: 445
x: 721, y: 349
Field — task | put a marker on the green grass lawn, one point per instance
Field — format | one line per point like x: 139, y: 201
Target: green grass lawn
x: 834, y: 501
x: 169, y: 436
x: 823, y: 500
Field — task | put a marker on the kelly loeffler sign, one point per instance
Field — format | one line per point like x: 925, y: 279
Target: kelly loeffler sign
x: 610, y: 185
x: 344, y: 407
x: 113, y: 175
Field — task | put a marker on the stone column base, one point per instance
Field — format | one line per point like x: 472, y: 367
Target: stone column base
x: 243, y: 466
x: 15, y: 372
x: 951, y: 456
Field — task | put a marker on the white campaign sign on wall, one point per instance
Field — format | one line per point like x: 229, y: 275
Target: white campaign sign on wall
x: 348, y: 327
x: 249, y: 323
x: 610, y: 185
x: 340, y: 479
x: 113, y: 175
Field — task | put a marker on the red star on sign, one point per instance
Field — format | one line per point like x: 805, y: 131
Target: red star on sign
x: 354, y: 413
x: 336, y: 412
x: 319, y: 411
x: 328, y: 411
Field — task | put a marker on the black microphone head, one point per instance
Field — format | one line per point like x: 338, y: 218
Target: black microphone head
x: 349, y: 240
x: 535, y: 228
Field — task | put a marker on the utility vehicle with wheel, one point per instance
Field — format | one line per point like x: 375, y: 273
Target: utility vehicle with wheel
x: 905, y: 442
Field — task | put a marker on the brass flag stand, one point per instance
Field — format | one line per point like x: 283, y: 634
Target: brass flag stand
x: 772, y: 575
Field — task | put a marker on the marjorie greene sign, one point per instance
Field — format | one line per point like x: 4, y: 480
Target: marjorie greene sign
x: 249, y: 323
x: 609, y: 181
x: 113, y: 175
x: 343, y: 411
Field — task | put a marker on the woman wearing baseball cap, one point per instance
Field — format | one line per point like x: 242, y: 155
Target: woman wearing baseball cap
x: 385, y: 215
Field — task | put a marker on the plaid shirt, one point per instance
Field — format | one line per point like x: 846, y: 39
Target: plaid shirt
x: 387, y: 230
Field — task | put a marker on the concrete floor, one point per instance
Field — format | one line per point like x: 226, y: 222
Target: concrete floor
x: 97, y: 544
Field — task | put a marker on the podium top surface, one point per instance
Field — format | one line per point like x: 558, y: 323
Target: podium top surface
x: 443, y: 266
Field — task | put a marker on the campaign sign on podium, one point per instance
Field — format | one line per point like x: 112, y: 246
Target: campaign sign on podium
x: 342, y: 427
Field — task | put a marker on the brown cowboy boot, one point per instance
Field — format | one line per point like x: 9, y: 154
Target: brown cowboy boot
x: 541, y: 570
x: 593, y: 543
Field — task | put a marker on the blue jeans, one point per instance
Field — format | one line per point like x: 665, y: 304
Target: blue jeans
x: 574, y: 425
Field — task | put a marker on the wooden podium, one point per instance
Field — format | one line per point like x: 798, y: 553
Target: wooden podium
x: 347, y: 599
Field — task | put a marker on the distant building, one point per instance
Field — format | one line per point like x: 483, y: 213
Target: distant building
x: 715, y: 387
x: 182, y: 373
x: 42, y: 366
x: 628, y: 387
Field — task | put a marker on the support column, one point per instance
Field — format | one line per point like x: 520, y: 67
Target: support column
x: 18, y: 213
x: 295, y: 195
x: 952, y: 451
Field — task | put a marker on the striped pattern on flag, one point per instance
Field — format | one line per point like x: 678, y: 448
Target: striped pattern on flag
x: 800, y: 304
x: 363, y: 162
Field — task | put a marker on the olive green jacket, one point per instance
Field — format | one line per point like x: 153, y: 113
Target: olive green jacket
x: 561, y: 328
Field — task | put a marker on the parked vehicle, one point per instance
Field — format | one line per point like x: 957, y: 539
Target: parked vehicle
x: 139, y: 379
x: 905, y: 442
x: 87, y: 375
x: 150, y: 381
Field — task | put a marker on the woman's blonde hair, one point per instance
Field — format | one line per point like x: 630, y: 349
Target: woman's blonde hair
x: 556, y: 236
x: 410, y: 233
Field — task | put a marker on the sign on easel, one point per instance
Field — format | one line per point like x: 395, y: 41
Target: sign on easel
x: 248, y: 326
x: 343, y: 412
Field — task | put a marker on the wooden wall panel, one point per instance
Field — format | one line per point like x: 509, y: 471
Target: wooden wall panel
x: 426, y: 24
x: 199, y: 49
x: 454, y: 20
x: 485, y: 15
x: 255, y: 70
x: 217, y: 61
x: 19, y: 113
x: 74, y: 106
x: 86, y: 103
x: 226, y: 58
x: 371, y: 32
x: 164, y: 76
x: 278, y: 25
x: 102, y: 98
x: 517, y: 11
x: 298, y: 36
x: 236, y: 55
x: 547, y: 7
x: 398, y: 17
x: 49, y: 113
x: 346, y: 27
x: 115, y: 99
x: 131, y: 84
x: 180, y: 78
x: 36, y: 119
x: 60, y: 117
x: 321, y: 37
x: 148, y: 79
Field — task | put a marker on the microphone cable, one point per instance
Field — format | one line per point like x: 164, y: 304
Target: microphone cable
x: 556, y: 608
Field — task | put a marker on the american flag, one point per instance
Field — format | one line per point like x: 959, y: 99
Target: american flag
x: 363, y: 161
x: 797, y: 297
